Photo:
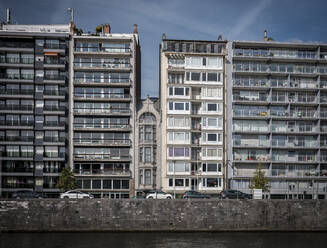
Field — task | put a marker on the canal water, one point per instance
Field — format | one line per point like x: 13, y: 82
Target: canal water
x: 163, y: 240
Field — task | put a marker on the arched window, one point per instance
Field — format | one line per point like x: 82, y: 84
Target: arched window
x: 148, y: 118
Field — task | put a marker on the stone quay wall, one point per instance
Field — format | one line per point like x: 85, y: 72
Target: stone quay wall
x: 45, y: 215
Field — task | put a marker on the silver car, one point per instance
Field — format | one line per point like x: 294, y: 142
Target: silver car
x: 158, y: 195
x: 74, y: 194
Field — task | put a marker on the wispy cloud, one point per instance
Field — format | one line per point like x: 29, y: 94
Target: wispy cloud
x: 248, y: 19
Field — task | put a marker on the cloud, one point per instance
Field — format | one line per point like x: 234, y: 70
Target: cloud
x: 248, y: 19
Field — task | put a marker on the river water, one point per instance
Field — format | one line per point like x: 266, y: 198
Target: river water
x: 163, y: 240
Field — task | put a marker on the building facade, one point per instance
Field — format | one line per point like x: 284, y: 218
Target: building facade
x: 278, y: 110
x: 148, y: 140
x: 105, y: 87
x: 192, y: 100
x: 33, y: 103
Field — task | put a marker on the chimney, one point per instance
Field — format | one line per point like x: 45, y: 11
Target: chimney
x: 8, y: 16
x: 163, y: 36
x: 135, y: 29
x: 106, y: 29
x: 265, y: 37
x: 220, y: 37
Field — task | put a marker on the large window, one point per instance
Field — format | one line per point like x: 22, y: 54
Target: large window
x: 179, y: 91
x: 179, y: 137
x: 179, y: 167
x: 179, y: 106
x: 179, y: 122
x: 178, y: 152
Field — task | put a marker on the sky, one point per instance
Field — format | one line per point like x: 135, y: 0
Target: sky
x: 285, y: 20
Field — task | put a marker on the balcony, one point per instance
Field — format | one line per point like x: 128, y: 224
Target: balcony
x: 250, y: 84
x: 103, y: 65
x: 17, y: 107
x: 102, y: 111
x: 103, y: 80
x: 102, y: 49
x: 103, y: 96
x: 54, y: 139
x: 102, y: 126
x: 55, y: 77
x: 54, y: 46
x: 251, y: 143
x: 54, y: 92
x: 257, y: 99
x: 17, y: 60
x: 102, y: 156
x: 295, y: 144
x: 17, y: 92
x: 17, y: 170
x: 54, y: 124
x: 54, y: 108
x: 296, y: 158
x: 18, y: 185
x: 295, y: 173
x: 104, y: 172
x: 16, y: 76
x: 251, y: 113
x: 103, y: 141
x: 19, y: 139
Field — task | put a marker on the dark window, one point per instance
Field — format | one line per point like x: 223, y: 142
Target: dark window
x: 171, y: 182
x: 86, y: 184
x: 212, y: 137
x: 96, y: 184
x: 179, y: 91
x: 195, y: 76
x: 179, y: 106
x: 212, y: 77
x: 212, y: 107
x: 212, y: 167
x: 107, y: 184
x: 125, y: 184
x: 116, y: 184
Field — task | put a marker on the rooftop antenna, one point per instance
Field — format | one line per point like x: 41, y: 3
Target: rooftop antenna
x: 71, y: 10
x: 8, y: 16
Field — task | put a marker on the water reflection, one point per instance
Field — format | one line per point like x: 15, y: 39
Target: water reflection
x: 162, y: 240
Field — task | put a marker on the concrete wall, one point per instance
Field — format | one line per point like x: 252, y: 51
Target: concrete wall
x: 162, y: 215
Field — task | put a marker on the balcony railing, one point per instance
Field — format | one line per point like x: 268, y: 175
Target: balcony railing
x: 101, y: 156
x: 103, y: 95
x: 18, y: 169
x: 104, y: 65
x: 103, y: 141
x: 54, y: 46
x: 104, y: 80
x: 54, y: 123
x: 246, y: 143
x: 103, y: 49
x: 250, y: 98
x: 102, y: 111
x: 17, y: 107
x: 16, y: 76
x: 251, y: 113
x: 54, y: 139
x: 102, y: 172
x: 17, y: 60
x: 19, y: 138
x: 54, y: 92
x: 18, y: 185
x: 118, y: 126
x: 17, y: 92
x: 54, y: 108
x: 54, y: 77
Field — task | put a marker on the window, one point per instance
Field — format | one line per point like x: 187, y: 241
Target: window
x: 147, y: 151
x: 212, y: 107
x: 147, y: 178
x: 180, y: 167
x: 178, y: 122
x: 179, y: 137
x: 212, y: 137
x: 179, y: 106
x: 211, y: 182
x: 178, y: 152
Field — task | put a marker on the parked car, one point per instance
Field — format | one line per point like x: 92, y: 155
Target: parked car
x: 234, y: 194
x: 158, y: 195
x: 74, y: 194
x: 24, y: 194
x: 194, y: 194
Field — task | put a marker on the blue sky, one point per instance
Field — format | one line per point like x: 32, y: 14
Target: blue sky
x: 285, y: 20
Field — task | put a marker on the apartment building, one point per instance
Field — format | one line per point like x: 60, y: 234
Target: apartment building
x: 278, y: 116
x: 33, y: 97
x: 105, y: 87
x: 192, y: 100
x: 148, y: 140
